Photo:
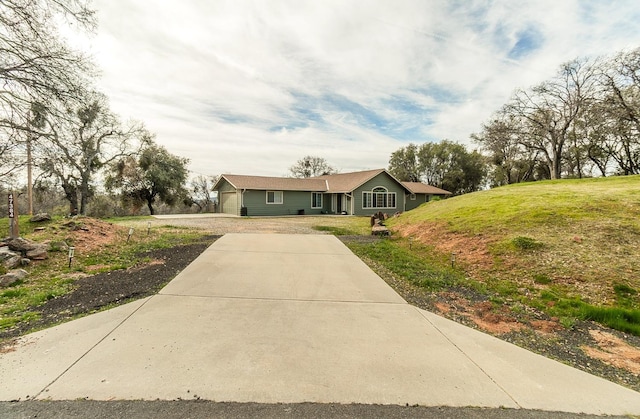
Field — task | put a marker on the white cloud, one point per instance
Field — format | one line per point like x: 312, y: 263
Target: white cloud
x: 250, y: 87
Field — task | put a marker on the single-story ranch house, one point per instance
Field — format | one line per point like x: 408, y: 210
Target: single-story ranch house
x: 357, y: 193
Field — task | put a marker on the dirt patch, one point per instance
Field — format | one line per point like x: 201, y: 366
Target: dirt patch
x: 614, y: 351
x: 471, y: 250
x: 493, y: 320
x: 546, y: 326
x: 84, y: 233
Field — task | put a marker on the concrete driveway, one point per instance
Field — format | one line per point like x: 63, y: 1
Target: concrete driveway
x: 278, y: 318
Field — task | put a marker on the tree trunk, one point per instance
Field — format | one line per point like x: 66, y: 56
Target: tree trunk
x: 71, y: 195
x: 150, y: 206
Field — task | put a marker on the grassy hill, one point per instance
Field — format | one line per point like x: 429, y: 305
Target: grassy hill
x: 570, y: 248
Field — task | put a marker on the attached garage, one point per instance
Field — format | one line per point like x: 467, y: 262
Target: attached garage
x: 229, y: 201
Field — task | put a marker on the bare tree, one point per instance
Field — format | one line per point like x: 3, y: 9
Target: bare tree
x: 36, y: 66
x: 621, y: 81
x: 74, y: 149
x: 511, y: 161
x: 310, y: 166
x: 201, y: 188
x: 547, y: 113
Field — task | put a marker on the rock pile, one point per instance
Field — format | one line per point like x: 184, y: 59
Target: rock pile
x: 19, y: 252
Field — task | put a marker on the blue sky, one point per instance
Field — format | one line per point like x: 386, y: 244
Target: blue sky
x: 250, y: 87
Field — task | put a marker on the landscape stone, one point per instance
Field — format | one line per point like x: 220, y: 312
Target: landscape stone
x: 12, y: 262
x: 8, y: 258
x: 21, y: 245
x: 38, y: 253
x: 43, y: 216
x: 12, y: 277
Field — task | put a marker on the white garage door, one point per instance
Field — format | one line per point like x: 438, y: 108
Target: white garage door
x: 229, y: 203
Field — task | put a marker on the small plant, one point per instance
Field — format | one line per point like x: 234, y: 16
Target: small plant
x: 58, y: 246
x: 624, y: 290
x: 526, y: 243
x: 541, y: 279
x: 568, y: 322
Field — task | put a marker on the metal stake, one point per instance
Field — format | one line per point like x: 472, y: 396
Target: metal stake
x: 71, y: 253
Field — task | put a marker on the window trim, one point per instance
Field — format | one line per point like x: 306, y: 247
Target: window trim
x: 375, y: 194
x: 412, y: 197
x: 313, y: 201
x: 275, y: 195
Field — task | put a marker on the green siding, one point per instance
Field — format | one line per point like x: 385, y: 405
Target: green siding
x: 293, y: 202
x: 386, y: 181
x: 420, y: 199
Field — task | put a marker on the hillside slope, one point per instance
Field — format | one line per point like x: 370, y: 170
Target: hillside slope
x: 579, y: 238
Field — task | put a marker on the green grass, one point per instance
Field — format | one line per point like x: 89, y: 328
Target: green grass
x: 417, y: 265
x: 567, y: 247
x: 344, y: 226
x: 625, y: 320
x: 522, y: 206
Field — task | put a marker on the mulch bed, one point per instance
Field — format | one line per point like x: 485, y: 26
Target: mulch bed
x: 107, y: 289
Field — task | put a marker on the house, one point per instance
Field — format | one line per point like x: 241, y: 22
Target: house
x: 357, y: 193
x: 419, y: 193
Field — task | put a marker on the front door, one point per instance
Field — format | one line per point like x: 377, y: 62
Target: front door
x: 339, y: 203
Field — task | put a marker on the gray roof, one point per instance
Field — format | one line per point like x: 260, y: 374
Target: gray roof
x: 275, y: 183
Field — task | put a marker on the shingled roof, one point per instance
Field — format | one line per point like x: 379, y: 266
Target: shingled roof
x: 347, y: 182
x: 276, y: 183
x: 338, y: 183
x: 417, y: 187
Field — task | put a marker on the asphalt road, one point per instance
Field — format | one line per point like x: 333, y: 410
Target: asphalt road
x: 86, y: 409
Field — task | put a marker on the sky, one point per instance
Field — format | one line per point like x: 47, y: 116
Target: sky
x: 250, y: 87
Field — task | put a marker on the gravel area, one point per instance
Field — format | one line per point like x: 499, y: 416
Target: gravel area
x: 219, y: 225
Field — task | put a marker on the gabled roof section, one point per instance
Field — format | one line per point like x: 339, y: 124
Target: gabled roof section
x: 275, y: 183
x: 348, y: 182
x: 418, y: 187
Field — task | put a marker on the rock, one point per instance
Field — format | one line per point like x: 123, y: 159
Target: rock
x: 8, y: 258
x: 12, y: 277
x: 38, y: 218
x: 12, y: 262
x: 38, y: 253
x: 21, y: 245
x: 25, y: 262
x: 380, y: 231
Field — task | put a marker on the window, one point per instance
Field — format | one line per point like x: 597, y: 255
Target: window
x: 378, y: 198
x: 412, y: 197
x: 274, y: 197
x: 316, y: 200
